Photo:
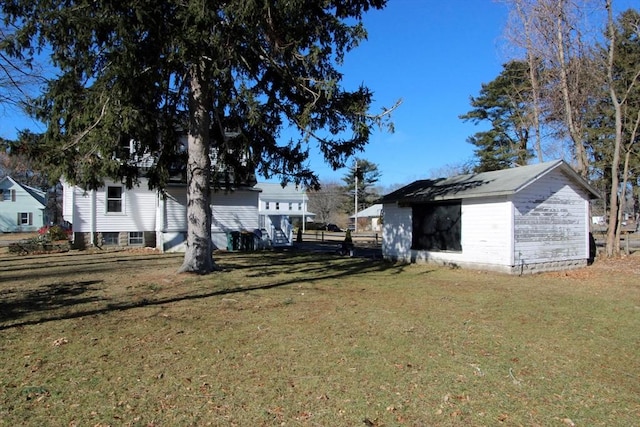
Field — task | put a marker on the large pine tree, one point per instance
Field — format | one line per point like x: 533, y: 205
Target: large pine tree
x: 505, y: 104
x: 145, y: 71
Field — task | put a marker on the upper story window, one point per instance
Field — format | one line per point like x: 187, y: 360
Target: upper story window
x: 7, y: 195
x: 114, y: 199
x: 290, y: 206
x: 266, y: 205
x: 299, y: 206
x: 277, y: 206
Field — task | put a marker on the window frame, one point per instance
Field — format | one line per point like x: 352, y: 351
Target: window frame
x: 109, y: 200
x: 108, y: 238
x: 137, y: 240
x: 25, y: 218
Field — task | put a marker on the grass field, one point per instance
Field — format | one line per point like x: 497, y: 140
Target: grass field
x: 299, y: 339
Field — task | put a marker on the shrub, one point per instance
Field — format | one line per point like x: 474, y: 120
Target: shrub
x: 54, y: 232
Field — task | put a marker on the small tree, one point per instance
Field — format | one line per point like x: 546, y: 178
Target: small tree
x: 367, y: 175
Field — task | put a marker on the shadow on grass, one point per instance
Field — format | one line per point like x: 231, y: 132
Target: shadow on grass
x: 59, y: 301
x: 26, y: 268
x: 46, y: 298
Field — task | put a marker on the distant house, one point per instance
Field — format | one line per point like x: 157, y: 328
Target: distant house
x: 280, y: 209
x: 527, y: 219
x: 372, y: 216
x: 22, y: 208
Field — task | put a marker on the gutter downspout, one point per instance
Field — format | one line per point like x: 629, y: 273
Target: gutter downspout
x: 92, y: 217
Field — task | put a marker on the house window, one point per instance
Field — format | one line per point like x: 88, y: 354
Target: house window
x: 277, y: 206
x: 437, y: 226
x: 7, y: 195
x: 25, y: 218
x: 299, y: 206
x: 290, y: 206
x: 110, y: 238
x: 266, y: 205
x: 136, y: 238
x: 114, y: 199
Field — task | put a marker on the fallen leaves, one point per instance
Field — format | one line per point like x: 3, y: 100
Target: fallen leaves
x: 60, y: 341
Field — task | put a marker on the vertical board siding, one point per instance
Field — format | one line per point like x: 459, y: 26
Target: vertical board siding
x: 549, y: 221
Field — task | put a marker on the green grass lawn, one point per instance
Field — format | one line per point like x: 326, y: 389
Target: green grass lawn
x: 298, y: 339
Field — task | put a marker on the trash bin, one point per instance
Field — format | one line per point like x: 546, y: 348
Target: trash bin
x: 247, y: 241
x: 233, y: 241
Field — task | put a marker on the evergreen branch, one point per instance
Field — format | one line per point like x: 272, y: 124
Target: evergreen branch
x: 76, y: 139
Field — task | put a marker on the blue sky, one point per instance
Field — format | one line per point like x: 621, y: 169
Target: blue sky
x: 433, y: 55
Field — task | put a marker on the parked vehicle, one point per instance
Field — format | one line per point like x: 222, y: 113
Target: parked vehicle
x: 333, y: 227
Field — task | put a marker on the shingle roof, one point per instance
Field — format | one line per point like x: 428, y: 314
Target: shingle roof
x: 371, y: 211
x: 495, y: 183
x: 39, y: 195
x: 276, y: 190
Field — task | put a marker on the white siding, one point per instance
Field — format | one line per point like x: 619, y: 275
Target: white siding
x: 236, y: 211
x: 396, y: 232
x: 486, y: 231
x: 20, y: 202
x: 175, y: 210
x: 68, y: 195
x: 485, y: 236
x: 138, y: 210
x: 233, y: 211
x: 549, y: 222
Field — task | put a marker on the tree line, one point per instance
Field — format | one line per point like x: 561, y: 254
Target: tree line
x: 571, y: 91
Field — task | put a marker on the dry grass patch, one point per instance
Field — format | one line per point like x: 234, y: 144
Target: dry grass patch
x: 119, y: 338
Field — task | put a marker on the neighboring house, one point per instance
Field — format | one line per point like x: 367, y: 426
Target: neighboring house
x: 527, y: 219
x: 22, y: 208
x: 115, y: 215
x: 279, y: 209
x: 373, y: 217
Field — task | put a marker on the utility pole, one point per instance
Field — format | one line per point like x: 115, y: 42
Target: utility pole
x: 355, y: 215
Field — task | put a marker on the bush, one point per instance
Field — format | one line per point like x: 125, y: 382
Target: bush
x: 53, y: 233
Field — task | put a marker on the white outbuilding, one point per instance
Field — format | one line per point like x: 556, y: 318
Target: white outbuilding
x: 523, y: 220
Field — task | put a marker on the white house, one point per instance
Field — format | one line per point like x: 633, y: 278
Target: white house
x: 527, y: 219
x: 372, y: 216
x: 115, y: 215
x: 22, y: 208
x: 279, y: 209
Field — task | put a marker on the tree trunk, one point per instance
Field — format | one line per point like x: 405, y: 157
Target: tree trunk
x: 623, y: 198
x: 575, y: 134
x: 613, y: 247
x: 198, y: 256
x: 533, y: 62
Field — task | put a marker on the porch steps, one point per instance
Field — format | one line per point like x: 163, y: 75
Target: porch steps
x: 279, y: 238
